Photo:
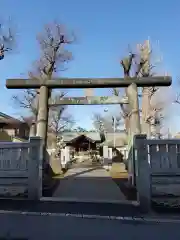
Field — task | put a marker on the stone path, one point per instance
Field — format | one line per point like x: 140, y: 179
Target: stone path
x: 87, y: 183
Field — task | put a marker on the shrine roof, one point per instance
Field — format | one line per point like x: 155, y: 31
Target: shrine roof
x: 69, y: 136
x: 120, y: 137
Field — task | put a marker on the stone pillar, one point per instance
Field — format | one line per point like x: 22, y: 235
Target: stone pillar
x: 107, y: 160
x: 135, y: 128
x: 32, y: 132
x: 142, y: 173
x: 42, y: 119
x: 65, y: 157
x: 35, y: 168
x: 110, y: 156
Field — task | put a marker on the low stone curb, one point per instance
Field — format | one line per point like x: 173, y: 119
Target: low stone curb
x: 133, y: 219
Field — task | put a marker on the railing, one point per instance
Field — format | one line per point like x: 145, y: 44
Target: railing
x: 157, y: 170
x: 21, y: 169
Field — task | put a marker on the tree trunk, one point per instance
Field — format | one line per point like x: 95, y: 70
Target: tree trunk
x: 146, y: 126
x: 132, y: 93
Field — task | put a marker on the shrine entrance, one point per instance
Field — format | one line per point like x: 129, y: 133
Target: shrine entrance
x: 45, y: 101
x: 78, y: 183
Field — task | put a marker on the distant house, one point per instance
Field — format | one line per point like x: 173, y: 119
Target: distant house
x: 12, y: 129
x: 117, y: 139
x: 177, y: 135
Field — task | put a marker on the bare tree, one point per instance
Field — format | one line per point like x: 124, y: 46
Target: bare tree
x: 60, y: 120
x: 29, y: 101
x: 105, y: 123
x: 177, y: 95
x: 98, y: 122
x: 139, y: 64
x: 155, y: 119
x: 127, y: 64
x: 153, y: 105
x: 7, y: 39
x: 54, y: 56
x: 79, y: 129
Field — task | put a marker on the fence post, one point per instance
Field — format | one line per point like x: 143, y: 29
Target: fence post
x: 32, y: 132
x: 131, y: 164
x: 142, y: 172
x: 67, y: 155
x: 35, y: 168
x: 105, y: 157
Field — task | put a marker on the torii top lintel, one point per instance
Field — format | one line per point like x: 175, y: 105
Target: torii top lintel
x: 88, y: 82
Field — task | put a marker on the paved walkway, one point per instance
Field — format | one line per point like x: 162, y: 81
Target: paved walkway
x: 87, y: 183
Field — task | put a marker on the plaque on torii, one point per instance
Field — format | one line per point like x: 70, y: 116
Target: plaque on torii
x: 88, y: 101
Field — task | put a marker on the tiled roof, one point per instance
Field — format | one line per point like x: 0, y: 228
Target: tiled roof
x: 120, y: 137
x: 4, y: 118
x: 68, y: 136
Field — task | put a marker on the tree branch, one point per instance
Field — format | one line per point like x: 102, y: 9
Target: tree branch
x: 53, y: 42
x: 7, y: 39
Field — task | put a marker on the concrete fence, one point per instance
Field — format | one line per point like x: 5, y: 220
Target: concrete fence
x: 156, y: 166
x: 21, y: 169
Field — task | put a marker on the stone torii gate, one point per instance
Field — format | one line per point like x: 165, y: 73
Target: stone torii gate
x: 44, y: 102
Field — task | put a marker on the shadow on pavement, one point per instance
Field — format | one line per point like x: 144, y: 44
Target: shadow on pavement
x: 129, y: 192
x: 49, y: 191
x: 82, y: 172
x: 88, y: 188
x: 50, y: 183
x: 54, y: 183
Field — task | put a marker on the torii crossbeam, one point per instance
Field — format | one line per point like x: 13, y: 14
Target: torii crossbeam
x: 89, y: 82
